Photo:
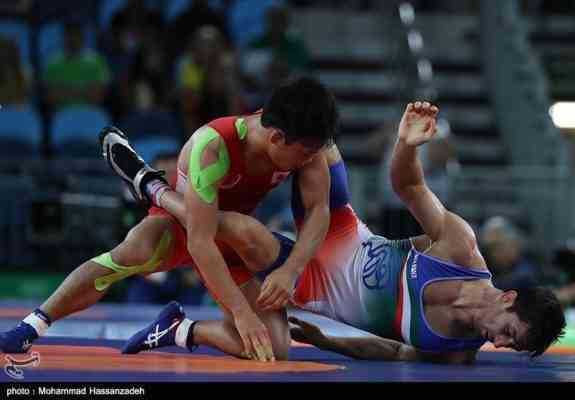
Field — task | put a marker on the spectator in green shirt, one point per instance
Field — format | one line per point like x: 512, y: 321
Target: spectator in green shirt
x: 273, y: 57
x: 77, y: 75
x: 285, y: 46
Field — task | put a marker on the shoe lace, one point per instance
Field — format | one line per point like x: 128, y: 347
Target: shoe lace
x: 153, y: 339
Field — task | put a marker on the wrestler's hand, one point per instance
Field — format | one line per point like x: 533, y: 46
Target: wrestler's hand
x: 255, y: 336
x: 418, y: 124
x: 306, y: 332
x: 277, y: 289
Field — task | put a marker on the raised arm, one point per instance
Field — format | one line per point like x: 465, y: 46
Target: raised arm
x: 209, y: 164
x: 314, y: 184
x: 418, y: 126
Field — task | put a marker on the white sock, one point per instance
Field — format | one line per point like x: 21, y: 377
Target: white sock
x: 39, y: 325
x: 182, y: 333
x: 155, y: 189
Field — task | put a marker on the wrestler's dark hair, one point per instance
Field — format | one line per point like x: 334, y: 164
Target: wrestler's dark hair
x: 543, y: 313
x: 304, y: 110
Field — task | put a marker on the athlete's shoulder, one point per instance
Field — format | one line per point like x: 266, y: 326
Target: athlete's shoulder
x: 225, y: 126
x: 209, y: 162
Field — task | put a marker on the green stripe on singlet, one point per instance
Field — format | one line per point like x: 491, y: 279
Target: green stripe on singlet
x: 381, y: 310
x: 382, y: 304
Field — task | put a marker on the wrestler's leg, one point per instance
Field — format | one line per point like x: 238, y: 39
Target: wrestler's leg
x: 223, y: 335
x: 87, y: 283
x: 144, y: 250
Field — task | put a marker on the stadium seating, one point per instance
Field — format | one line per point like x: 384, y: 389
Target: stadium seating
x: 75, y: 131
x: 20, y: 133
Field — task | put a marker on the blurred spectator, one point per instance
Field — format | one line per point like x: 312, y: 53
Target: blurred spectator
x: 207, y: 80
x: 285, y: 46
x: 557, y: 7
x: 78, y: 75
x: 564, y: 260
x: 272, y: 57
x: 246, y: 19
x: 345, y: 4
x: 182, y: 284
x: 13, y: 82
x: 185, y: 26
x: 127, y: 30
x: 504, y: 252
x: 566, y: 294
x: 438, y: 161
x: 140, y: 66
x: 146, y: 84
x: 168, y: 162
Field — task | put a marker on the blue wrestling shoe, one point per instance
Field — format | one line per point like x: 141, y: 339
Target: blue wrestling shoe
x: 19, y: 339
x: 160, y: 333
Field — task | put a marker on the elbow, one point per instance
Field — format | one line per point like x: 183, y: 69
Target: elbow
x: 404, y: 192
x: 399, y: 185
x: 398, y: 189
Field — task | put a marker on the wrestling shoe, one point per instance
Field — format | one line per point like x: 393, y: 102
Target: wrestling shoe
x: 160, y: 333
x: 19, y: 339
x: 125, y: 162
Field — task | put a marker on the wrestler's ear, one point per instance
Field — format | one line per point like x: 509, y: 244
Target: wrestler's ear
x: 508, y: 298
x: 276, y: 137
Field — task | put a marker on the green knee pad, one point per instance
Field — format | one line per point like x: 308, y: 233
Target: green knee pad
x: 121, y: 272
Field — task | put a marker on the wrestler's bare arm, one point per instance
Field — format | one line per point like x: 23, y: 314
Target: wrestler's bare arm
x: 453, y: 236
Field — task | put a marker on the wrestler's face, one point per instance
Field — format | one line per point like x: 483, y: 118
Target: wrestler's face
x: 502, y: 326
x: 289, y: 156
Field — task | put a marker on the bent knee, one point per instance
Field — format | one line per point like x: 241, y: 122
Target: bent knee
x: 129, y: 253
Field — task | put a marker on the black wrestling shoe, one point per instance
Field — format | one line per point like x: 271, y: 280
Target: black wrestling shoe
x: 125, y: 162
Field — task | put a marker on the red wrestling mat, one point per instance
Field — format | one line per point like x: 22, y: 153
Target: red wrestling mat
x: 555, y: 349
x: 96, y: 358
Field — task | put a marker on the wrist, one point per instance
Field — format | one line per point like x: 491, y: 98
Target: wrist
x: 240, y: 308
x: 294, y: 268
x: 401, y: 140
x: 323, y: 342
